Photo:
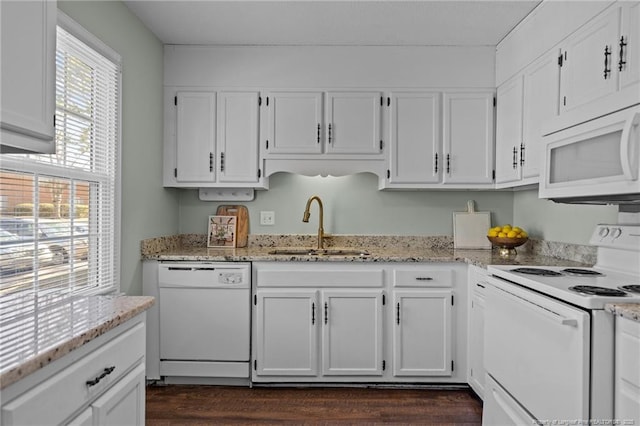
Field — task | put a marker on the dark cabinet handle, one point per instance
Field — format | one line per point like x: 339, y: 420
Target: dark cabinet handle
x: 515, y: 158
x: 522, y: 154
x: 424, y: 279
x: 313, y: 313
x: 448, y: 164
x: 211, y: 162
x: 222, y: 161
x: 480, y: 285
x: 607, y: 67
x: 398, y: 313
x: 435, y: 168
x: 104, y: 374
x: 318, y: 135
x: 329, y: 133
x: 326, y: 312
x: 622, y: 62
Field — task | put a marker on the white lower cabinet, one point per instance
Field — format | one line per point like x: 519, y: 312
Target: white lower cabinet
x: 422, y: 333
x: 346, y: 322
x: 100, y: 383
x: 627, y: 371
x: 476, y: 372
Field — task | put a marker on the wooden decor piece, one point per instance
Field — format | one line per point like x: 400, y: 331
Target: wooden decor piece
x: 242, y: 223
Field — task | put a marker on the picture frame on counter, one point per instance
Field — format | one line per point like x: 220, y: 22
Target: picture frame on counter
x: 221, y: 231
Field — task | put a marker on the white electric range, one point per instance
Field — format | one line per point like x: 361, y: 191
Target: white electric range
x: 549, y: 341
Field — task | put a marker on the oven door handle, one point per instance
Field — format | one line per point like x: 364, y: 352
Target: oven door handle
x: 554, y: 316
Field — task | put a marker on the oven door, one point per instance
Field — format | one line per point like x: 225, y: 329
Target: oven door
x: 537, y: 349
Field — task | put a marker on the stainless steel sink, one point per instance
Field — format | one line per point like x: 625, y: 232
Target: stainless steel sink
x: 320, y: 252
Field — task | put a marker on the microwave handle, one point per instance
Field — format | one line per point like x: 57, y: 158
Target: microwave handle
x: 626, y: 158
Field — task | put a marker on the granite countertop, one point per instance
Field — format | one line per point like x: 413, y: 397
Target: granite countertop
x: 69, y: 324
x: 192, y: 247
x: 626, y: 310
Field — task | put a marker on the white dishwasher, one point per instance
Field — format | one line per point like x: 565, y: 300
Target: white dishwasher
x: 204, y: 320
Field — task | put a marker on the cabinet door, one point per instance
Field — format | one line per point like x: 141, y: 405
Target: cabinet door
x: 589, y: 66
x: 28, y: 38
x: 541, y: 95
x: 509, y: 130
x: 628, y: 64
x: 468, y: 138
x: 476, y: 339
x: 422, y: 333
x: 124, y: 403
x: 238, y: 137
x: 353, y: 123
x: 295, y: 123
x: 352, y: 333
x: 287, y: 340
x: 195, y: 136
x: 415, y: 155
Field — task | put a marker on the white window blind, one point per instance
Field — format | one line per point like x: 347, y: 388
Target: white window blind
x: 59, y: 230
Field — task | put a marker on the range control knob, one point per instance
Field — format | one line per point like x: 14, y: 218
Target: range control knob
x: 603, y: 232
x: 616, y: 232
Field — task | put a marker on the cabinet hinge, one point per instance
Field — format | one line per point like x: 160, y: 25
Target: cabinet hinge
x: 495, y: 101
x: 175, y: 172
x: 452, y: 365
x: 175, y: 100
x: 388, y: 101
x: 384, y: 365
x: 564, y: 100
x: 384, y: 300
x: 255, y: 364
x: 388, y: 174
x: 267, y: 144
x: 54, y: 120
x: 381, y: 145
x: 493, y: 174
x: 560, y: 61
x: 255, y: 299
x: 259, y: 100
x: 267, y: 101
x: 381, y: 101
x: 452, y: 300
x: 259, y: 173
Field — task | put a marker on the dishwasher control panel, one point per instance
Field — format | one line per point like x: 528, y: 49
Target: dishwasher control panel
x: 204, y: 275
x: 230, y: 278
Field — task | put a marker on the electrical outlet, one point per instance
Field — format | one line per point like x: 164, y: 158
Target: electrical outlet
x: 267, y: 218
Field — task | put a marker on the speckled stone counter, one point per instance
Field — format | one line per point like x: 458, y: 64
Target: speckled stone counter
x: 33, y: 336
x: 626, y: 310
x: 192, y: 247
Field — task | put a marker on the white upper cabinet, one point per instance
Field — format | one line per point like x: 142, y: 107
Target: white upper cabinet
x: 468, y: 138
x: 295, y: 123
x: 525, y: 103
x: 238, y: 137
x: 353, y: 122
x: 509, y: 130
x: 28, y: 38
x: 350, y: 123
x: 629, y: 47
x: 212, y: 139
x: 195, y: 137
x: 415, y: 138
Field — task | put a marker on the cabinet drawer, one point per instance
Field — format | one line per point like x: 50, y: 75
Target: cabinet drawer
x: 422, y: 278
x: 321, y: 278
x: 57, y: 398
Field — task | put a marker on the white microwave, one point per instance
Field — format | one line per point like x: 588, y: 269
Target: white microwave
x: 595, y: 162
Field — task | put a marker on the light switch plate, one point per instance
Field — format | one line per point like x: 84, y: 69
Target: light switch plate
x: 267, y: 218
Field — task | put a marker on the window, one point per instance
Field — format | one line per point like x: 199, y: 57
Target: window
x: 59, y: 231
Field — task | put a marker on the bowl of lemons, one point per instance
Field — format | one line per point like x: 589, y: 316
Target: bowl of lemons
x: 507, y: 238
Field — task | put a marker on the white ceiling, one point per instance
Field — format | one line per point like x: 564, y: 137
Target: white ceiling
x: 323, y: 22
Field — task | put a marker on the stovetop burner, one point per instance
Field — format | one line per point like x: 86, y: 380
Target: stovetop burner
x: 598, y: 291
x: 537, y: 271
x: 633, y: 288
x: 582, y: 272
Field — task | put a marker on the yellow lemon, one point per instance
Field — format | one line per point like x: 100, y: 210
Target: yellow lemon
x: 516, y: 229
x: 502, y: 234
x: 512, y: 234
x: 524, y: 234
x: 506, y: 229
x: 493, y: 233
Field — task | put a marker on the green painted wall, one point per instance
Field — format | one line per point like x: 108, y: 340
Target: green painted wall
x: 148, y: 209
x: 567, y: 223
x: 352, y: 205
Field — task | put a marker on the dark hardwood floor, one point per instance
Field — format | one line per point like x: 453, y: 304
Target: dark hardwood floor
x: 218, y: 405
